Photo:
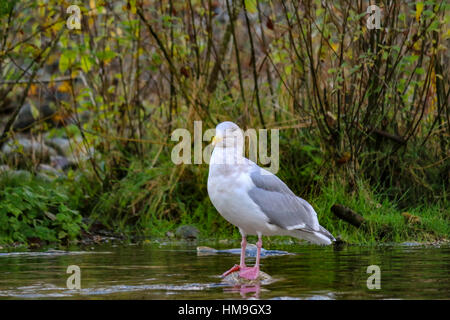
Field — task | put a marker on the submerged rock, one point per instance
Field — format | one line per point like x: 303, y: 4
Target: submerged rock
x: 250, y: 251
x: 235, y: 279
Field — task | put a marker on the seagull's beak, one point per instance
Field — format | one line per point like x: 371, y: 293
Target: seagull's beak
x: 216, y: 140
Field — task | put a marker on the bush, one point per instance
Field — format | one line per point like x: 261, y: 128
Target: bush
x: 31, y: 211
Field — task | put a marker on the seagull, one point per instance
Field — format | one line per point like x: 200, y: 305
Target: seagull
x: 255, y: 200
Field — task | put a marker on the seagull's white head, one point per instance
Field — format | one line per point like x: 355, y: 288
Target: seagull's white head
x: 228, y: 135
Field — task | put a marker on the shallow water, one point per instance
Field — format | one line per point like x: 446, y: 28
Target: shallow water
x: 177, y: 271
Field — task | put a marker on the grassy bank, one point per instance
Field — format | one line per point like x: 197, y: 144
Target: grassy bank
x: 37, y: 212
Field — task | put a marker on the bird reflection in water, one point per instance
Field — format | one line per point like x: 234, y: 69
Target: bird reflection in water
x: 248, y: 289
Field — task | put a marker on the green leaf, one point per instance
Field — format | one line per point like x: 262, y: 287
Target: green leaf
x: 434, y: 26
x: 34, y: 111
x: 62, y: 235
x: 86, y: 63
x: 66, y: 60
x: 250, y: 5
x: 106, y: 55
x: 420, y: 71
x: 63, y: 63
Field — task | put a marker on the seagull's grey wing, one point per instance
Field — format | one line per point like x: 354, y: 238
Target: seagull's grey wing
x: 265, y: 180
x: 280, y: 204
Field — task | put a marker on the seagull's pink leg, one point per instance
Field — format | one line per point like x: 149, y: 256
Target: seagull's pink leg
x: 241, y: 265
x: 253, y: 272
x: 243, y: 247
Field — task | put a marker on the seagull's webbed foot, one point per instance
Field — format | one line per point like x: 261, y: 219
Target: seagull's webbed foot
x: 249, y: 273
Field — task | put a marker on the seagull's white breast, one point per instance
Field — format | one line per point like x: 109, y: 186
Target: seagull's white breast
x: 228, y: 187
x: 229, y: 195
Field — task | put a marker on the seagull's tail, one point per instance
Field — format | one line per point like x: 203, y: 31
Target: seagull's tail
x: 321, y: 236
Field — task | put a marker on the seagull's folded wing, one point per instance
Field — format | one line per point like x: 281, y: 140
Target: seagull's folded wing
x: 280, y: 204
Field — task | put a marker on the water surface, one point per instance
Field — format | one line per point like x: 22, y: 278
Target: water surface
x: 177, y: 271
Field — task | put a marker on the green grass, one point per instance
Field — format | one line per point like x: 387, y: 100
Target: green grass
x: 185, y: 201
x: 151, y: 201
x: 384, y: 220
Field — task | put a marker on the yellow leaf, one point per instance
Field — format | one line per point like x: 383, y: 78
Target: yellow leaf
x: 33, y: 89
x: 419, y: 9
x: 251, y: 6
x: 335, y: 46
x: 417, y: 45
x: 64, y: 86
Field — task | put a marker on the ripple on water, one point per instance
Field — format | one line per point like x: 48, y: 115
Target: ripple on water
x: 49, y: 253
x: 45, y: 290
x: 313, y: 273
